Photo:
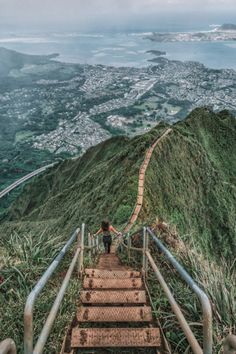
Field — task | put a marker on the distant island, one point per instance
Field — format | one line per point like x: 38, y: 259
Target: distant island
x: 226, y: 32
x: 228, y: 27
x: 157, y: 53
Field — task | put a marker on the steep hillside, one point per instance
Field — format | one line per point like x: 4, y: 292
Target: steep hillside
x: 102, y: 183
x: 10, y: 59
x: 190, y: 182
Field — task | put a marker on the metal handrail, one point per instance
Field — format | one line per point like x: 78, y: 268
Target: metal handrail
x: 175, y: 308
x: 29, y: 307
x: 7, y: 346
x: 206, y: 306
x: 205, y: 302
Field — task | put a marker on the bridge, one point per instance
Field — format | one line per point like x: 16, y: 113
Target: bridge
x: 23, y: 180
x: 115, y: 309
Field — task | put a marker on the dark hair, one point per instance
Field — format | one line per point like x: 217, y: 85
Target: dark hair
x: 105, y: 225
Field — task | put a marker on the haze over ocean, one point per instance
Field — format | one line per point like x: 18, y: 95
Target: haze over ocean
x: 119, y: 48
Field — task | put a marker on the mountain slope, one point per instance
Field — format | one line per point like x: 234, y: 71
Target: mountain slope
x: 102, y: 183
x: 190, y: 182
x: 10, y: 59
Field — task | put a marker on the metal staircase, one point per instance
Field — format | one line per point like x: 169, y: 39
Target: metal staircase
x: 114, y: 309
x: 113, y: 294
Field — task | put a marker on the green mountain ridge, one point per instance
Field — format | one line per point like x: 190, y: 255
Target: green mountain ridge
x: 190, y: 182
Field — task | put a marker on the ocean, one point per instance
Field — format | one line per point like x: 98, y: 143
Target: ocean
x: 118, y: 49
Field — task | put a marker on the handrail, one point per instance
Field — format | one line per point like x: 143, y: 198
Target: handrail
x: 29, y: 307
x: 175, y: 308
x: 205, y: 303
x: 7, y: 346
x: 206, y: 306
x: 52, y: 315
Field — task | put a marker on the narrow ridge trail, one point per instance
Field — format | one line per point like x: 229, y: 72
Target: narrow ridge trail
x: 115, y: 294
x: 141, y: 181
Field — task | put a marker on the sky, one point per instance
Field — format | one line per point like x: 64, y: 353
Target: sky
x: 99, y: 14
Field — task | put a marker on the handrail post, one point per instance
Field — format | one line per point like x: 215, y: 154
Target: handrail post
x: 89, y: 245
x: 129, y: 245
x: 81, y: 257
x: 97, y: 244
x: 93, y: 245
x: 145, y: 248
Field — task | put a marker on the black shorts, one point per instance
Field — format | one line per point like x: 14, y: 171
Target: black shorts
x: 107, y: 239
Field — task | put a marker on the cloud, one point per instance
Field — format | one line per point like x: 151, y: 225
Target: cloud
x: 90, y: 13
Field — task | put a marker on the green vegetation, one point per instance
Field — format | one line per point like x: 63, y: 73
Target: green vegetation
x: 196, y: 188
x: 10, y: 60
x: 219, y: 285
x: 24, y: 257
x: 190, y: 182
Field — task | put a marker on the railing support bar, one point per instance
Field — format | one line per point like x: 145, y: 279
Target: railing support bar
x: 145, y: 248
x: 129, y: 246
x: 54, y: 310
x: 205, y: 303
x: 29, y: 306
x: 90, y: 245
x: 81, y: 256
x: 176, y: 309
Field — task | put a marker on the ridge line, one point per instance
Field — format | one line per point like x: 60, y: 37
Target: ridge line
x: 142, y: 172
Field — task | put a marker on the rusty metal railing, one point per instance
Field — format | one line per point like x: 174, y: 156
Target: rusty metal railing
x: 29, y: 307
x: 205, y: 303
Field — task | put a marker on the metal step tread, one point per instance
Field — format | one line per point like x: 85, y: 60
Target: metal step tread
x: 113, y: 297
x: 107, y: 274
x: 115, y: 337
x: 115, y: 314
x: 98, y: 283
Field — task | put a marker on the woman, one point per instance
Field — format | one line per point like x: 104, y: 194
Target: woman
x: 107, y: 229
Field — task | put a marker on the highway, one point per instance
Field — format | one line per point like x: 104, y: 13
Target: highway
x: 23, y: 179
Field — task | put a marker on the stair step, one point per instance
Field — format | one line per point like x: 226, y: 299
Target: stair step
x: 115, y: 337
x: 109, y: 264
x: 114, y: 314
x: 113, y: 297
x: 97, y: 283
x: 107, y: 274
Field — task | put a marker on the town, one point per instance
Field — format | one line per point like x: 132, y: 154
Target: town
x: 64, y: 112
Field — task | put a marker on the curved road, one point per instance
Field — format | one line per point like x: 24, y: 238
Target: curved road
x: 23, y: 179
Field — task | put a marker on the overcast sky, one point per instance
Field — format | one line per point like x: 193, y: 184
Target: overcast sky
x: 86, y: 14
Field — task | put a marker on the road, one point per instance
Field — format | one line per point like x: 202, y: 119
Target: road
x: 23, y: 179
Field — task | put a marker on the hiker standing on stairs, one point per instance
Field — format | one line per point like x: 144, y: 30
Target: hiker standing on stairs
x: 106, y: 229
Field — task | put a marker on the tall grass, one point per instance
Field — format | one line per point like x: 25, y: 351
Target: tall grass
x: 24, y: 259
x: 218, y: 280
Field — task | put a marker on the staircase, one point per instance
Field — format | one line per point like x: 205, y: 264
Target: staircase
x: 114, y: 310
